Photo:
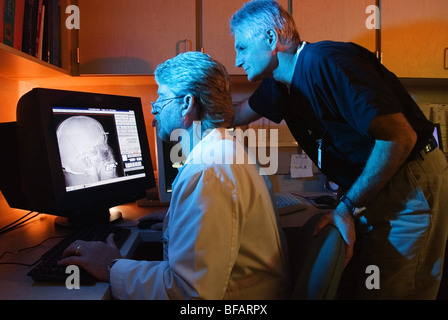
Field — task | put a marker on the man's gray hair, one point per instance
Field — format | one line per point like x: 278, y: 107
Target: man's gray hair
x: 256, y: 17
x: 206, y: 79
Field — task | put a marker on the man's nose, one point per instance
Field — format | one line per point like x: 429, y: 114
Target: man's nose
x: 238, y: 61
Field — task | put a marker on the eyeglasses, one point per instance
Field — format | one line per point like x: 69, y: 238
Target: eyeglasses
x: 157, y: 108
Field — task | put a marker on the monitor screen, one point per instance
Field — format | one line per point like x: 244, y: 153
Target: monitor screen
x: 97, y: 146
x: 79, y: 153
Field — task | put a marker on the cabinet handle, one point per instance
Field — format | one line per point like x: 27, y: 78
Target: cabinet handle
x: 445, y: 59
x: 188, y: 45
x: 184, y: 46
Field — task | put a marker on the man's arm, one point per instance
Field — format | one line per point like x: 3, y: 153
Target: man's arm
x: 244, y: 114
x: 395, y: 139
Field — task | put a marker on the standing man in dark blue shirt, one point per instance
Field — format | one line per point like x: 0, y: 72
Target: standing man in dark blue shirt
x: 356, y: 121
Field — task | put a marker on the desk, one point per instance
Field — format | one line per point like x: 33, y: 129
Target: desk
x: 310, y: 187
x: 15, y: 284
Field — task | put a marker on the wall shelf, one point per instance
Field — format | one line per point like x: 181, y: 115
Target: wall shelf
x: 17, y: 65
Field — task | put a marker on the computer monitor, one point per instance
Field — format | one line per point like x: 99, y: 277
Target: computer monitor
x: 78, y: 154
x: 437, y: 134
x: 167, y: 168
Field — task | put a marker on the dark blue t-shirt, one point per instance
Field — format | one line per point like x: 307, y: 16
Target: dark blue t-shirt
x: 336, y: 91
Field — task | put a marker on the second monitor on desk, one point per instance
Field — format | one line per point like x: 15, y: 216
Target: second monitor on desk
x: 160, y: 196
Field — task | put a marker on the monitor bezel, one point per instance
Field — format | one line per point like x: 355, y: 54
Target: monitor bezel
x: 36, y: 126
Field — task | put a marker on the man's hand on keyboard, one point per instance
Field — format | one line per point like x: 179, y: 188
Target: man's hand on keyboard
x: 93, y: 256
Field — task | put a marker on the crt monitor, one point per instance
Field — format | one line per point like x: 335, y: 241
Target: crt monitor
x: 437, y: 134
x: 167, y: 167
x: 80, y: 154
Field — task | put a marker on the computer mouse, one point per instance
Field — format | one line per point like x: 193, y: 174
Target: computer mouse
x: 325, y: 201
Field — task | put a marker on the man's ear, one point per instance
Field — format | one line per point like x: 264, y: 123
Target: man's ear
x: 188, y: 106
x: 272, y: 38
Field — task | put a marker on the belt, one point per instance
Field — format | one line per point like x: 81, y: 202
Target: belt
x: 432, y: 145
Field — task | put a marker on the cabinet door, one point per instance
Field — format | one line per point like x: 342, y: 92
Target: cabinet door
x: 133, y: 37
x: 414, y: 36
x: 216, y: 38
x: 341, y: 20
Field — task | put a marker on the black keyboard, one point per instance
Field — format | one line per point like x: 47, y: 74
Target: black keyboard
x: 48, y: 269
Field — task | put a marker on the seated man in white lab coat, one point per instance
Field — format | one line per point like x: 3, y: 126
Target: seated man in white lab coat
x: 221, y: 235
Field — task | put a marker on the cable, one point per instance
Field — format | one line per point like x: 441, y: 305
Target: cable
x: 15, y: 224
x: 23, y: 249
x: 16, y: 221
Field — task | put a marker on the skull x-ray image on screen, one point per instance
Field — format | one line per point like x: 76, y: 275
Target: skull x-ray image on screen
x: 97, y: 146
x: 85, y: 153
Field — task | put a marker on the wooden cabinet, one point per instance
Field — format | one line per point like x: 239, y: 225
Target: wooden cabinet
x: 216, y: 38
x: 341, y: 20
x: 133, y: 37
x: 414, y: 37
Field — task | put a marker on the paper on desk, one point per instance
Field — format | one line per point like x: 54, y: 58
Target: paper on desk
x: 301, y: 166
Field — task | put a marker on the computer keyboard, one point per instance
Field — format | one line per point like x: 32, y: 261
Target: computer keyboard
x: 48, y: 269
x: 288, y: 203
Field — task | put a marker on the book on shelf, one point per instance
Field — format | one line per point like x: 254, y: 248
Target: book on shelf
x: 8, y: 22
x: 40, y: 31
x: 12, y: 22
x: 2, y: 10
x: 33, y: 27
x: 18, y: 23
x: 51, y: 35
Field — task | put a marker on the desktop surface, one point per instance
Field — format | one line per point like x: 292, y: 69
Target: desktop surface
x: 40, y: 234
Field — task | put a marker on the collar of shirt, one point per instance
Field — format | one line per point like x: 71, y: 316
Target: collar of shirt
x: 299, y: 49
x: 296, y: 58
x: 209, y: 151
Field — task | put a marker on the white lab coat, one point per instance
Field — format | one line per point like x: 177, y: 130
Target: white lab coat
x: 221, y: 233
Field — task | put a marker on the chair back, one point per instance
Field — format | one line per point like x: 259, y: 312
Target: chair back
x: 317, y: 261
